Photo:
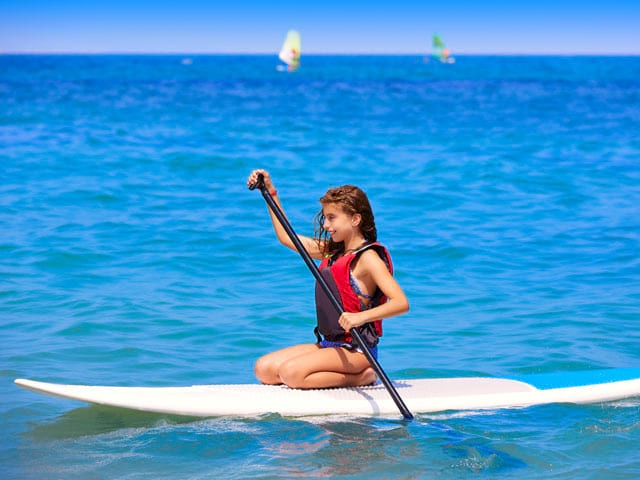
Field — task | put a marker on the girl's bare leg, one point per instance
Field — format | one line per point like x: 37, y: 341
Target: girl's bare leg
x: 267, y: 367
x: 326, y: 367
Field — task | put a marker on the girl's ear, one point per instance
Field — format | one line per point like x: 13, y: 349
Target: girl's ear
x: 356, y: 219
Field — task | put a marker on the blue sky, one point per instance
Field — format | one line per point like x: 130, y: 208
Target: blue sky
x: 390, y: 27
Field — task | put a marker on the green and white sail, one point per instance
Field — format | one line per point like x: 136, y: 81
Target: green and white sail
x: 440, y: 50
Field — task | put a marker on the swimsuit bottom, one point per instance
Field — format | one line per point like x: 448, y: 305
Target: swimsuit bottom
x: 348, y: 346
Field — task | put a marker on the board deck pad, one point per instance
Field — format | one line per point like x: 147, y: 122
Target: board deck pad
x: 420, y: 395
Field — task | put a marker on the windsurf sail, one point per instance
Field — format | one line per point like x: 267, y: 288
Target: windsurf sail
x: 440, y: 50
x: 290, y: 51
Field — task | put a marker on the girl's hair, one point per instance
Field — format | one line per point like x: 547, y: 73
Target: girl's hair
x: 352, y: 200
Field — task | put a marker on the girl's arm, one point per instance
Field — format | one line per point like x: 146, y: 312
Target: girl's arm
x: 375, y: 271
x: 310, y: 244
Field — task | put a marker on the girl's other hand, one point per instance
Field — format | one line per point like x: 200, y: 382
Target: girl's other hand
x: 252, y: 181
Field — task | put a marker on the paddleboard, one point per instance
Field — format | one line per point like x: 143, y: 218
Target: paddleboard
x: 426, y: 395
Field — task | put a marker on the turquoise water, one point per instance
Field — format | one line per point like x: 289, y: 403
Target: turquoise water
x: 132, y: 253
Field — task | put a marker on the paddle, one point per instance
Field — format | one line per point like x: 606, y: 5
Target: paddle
x: 316, y: 273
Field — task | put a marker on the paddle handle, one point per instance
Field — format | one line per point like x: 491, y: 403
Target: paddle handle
x: 323, y: 283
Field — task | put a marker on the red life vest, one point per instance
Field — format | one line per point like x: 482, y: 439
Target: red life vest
x: 337, y: 274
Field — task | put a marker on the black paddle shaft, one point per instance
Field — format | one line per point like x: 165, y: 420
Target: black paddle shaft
x: 316, y: 273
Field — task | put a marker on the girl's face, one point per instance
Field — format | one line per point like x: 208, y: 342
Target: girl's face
x: 339, y: 224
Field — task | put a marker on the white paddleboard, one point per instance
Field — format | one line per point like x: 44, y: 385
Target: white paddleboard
x: 420, y: 395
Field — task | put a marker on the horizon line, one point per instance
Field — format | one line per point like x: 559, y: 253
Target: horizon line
x: 407, y: 54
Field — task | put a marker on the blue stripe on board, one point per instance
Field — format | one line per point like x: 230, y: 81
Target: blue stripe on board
x: 546, y: 381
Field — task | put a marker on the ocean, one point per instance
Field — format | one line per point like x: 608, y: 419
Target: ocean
x: 507, y: 189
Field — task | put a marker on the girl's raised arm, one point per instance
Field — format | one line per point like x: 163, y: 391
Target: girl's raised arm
x: 310, y: 244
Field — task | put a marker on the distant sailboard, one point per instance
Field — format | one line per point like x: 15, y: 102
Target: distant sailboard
x: 440, y: 51
x: 290, y: 52
x: 421, y: 395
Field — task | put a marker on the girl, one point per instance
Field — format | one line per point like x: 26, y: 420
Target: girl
x: 358, y: 270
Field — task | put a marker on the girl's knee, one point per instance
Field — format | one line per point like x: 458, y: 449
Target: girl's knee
x: 266, y: 372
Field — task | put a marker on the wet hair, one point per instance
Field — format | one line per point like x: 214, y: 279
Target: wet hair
x: 351, y: 200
